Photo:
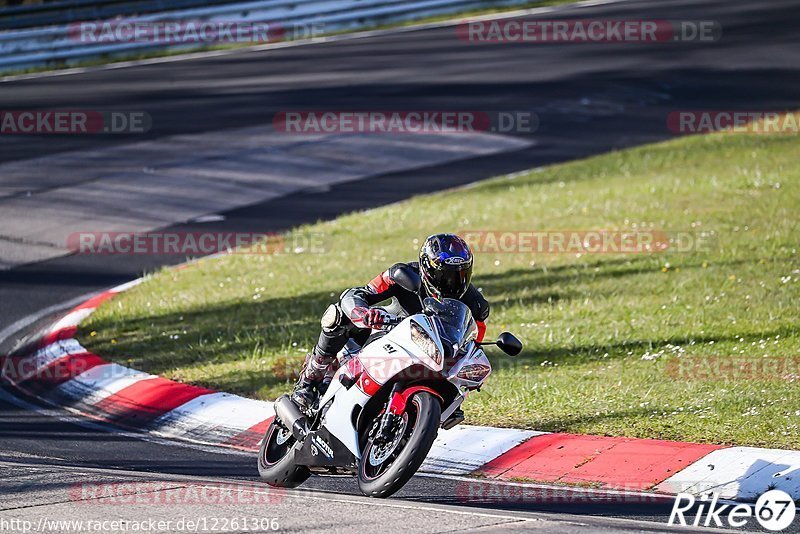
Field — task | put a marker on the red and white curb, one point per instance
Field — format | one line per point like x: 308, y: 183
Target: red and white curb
x: 57, y: 370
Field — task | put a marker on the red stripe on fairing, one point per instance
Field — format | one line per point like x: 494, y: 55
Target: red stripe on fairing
x: 250, y: 439
x: 354, y: 367
x: 381, y: 283
x: 367, y: 384
x: 147, y: 400
x: 60, y: 371
x: 621, y: 463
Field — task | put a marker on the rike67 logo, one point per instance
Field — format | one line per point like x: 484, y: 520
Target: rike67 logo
x: 774, y: 510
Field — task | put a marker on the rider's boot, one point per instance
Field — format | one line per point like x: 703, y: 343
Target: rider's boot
x: 311, y: 384
x: 305, y: 394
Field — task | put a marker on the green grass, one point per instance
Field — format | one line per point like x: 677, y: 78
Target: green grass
x: 604, y: 333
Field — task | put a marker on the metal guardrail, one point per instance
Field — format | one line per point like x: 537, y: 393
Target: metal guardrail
x: 58, y: 45
x: 66, y: 11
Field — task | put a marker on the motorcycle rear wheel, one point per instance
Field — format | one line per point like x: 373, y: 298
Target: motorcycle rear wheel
x: 422, y: 418
x: 276, y: 459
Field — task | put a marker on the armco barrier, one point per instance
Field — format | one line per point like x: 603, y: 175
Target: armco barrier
x: 65, y: 11
x: 54, y: 46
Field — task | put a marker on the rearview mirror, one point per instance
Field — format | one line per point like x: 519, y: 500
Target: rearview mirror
x: 509, y: 344
x: 407, y: 279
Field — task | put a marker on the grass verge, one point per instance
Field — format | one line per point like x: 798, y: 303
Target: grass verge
x: 699, y: 345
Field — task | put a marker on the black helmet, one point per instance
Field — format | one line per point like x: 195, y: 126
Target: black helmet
x: 445, y: 263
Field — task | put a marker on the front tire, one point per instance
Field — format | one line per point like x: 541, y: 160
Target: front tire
x: 421, y: 423
x: 276, y: 459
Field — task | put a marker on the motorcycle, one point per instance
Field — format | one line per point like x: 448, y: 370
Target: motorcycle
x: 384, y: 406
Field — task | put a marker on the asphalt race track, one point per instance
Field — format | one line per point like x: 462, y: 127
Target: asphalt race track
x: 590, y: 98
x: 53, y: 468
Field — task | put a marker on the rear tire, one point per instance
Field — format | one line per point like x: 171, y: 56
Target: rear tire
x: 276, y: 459
x: 424, y: 415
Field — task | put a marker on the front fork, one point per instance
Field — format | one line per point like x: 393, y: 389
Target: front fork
x: 393, y: 412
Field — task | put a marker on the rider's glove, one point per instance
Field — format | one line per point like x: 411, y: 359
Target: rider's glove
x: 372, y: 318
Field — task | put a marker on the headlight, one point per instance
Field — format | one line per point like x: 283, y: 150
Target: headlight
x: 424, y: 341
x: 474, y: 372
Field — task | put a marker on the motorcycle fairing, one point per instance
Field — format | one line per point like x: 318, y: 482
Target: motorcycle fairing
x: 378, y: 362
x: 379, y: 367
x: 321, y: 448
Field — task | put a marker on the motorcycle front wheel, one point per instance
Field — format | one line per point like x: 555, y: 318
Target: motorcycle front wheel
x: 276, y: 459
x: 386, y: 467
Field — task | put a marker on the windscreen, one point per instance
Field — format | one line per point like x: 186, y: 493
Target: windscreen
x: 455, y: 321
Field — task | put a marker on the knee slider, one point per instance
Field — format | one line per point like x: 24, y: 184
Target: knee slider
x: 332, y: 319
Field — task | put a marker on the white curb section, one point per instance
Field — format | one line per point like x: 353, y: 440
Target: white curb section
x: 463, y: 449
x: 95, y: 385
x: 739, y: 473
x: 211, y: 414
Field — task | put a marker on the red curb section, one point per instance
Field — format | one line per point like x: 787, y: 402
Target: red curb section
x: 60, y: 371
x: 615, y: 463
x: 251, y: 438
x: 135, y: 407
x: 145, y: 401
x: 70, y: 331
x: 95, y: 301
x: 58, y: 335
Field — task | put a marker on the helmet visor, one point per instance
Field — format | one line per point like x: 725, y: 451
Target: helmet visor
x: 450, y: 282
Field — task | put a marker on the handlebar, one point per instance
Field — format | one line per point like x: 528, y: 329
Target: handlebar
x: 391, y: 323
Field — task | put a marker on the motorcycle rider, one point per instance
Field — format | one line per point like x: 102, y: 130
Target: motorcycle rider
x: 445, y: 267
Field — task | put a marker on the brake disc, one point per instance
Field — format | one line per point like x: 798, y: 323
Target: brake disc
x: 380, y: 453
x: 283, y: 436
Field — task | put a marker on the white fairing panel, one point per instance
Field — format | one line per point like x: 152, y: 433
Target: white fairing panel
x: 338, y: 419
x: 381, y: 360
x: 396, y: 350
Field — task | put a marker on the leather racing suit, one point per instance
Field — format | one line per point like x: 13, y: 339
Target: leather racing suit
x: 345, y: 320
